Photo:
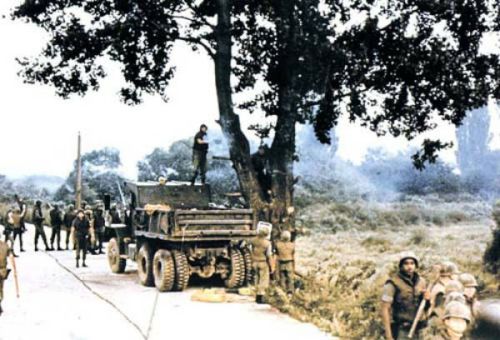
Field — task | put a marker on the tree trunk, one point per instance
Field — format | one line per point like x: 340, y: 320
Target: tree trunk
x: 239, y: 148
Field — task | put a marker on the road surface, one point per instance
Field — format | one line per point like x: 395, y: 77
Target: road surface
x: 59, y: 301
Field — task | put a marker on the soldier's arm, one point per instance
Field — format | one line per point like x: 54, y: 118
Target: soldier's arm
x: 385, y: 310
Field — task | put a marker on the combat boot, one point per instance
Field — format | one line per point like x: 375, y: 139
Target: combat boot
x: 1, y: 310
x: 259, y: 299
x: 84, y: 264
x: 77, y: 264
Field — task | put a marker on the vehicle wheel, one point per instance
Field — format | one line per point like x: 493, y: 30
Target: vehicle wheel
x: 116, y: 263
x: 181, y: 270
x: 145, y: 265
x: 247, y: 260
x: 237, y: 275
x: 163, y: 270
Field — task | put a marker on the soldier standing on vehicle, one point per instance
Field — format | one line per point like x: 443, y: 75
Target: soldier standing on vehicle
x: 4, y: 271
x: 402, y: 295
x: 81, y: 227
x: 200, y: 150
x: 38, y: 220
x: 23, y: 210
x: 99, y: 223
x: 261, y: 258
x: 56, y: 222
x: 69, y: 217
x: 260, y: 162
x: 285, y: 249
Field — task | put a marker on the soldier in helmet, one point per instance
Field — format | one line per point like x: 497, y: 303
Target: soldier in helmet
x: 81, y: 227
x: 455, y: 321
x: 402, y: 295
x: 470, y: 289
x: 448, y: 271
x: 56, y: 221
x: 38, y: 219
x: 69, y: 217
x: 285, y: 249
x: 5, y: 251
x: 99, y: 223
x: 261, y: 258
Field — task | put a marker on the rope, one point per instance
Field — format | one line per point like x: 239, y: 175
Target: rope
x: 144, y: 336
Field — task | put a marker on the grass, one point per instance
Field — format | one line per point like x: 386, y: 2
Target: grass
x: 353, y: 248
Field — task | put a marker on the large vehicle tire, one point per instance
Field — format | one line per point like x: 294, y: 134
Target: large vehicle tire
x: 163, y: 270
x: 145, y: 265
x: 237, y: 275
x: 247, y: 259
x: 116, y: 263
x: 182, y: 271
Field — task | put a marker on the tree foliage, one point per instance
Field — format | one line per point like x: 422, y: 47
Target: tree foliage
x: 396, y: 67
x: 99, y: 176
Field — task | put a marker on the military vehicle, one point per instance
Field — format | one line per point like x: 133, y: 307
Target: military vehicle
x: 173, y: 232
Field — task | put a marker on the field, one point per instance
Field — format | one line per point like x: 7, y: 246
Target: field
x: 348, y: 251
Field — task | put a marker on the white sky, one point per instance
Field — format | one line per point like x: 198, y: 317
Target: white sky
x: 38, y: 129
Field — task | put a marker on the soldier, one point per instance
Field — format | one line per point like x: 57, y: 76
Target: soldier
x: 402, y: 294
x: 89, y: 215
x: 261, y: 258
x: 4, y: 271
x: 261, y: 166
x: 454, y: 323
x: 38, y: 219
x: 285, y: 249
x: 99, y: 223
x: 448, y: 271
x: 56, y: 222
x: 81, y: 227
x: 69, y: 217
x: 12, y: 226
x: 470, y: 289
x: 200, y: 149
x: 23, y: 210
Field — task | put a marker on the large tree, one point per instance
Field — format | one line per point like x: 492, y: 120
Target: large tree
x: 393, y: 66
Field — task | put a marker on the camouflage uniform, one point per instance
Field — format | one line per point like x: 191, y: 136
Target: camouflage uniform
x: 4, y: 253
x: 261, y: 257
x: 285, y: 249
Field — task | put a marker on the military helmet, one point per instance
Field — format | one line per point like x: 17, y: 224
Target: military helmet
x: 38, y: 202
x: 448, y: 268
x: 458, y: 310
x: 468, y: 280
x: 286, y: 236
x: 263, y: 231
x: 71, y: 206
x: 455, y: 296
x: 453, y: 286
x: 408, y: 255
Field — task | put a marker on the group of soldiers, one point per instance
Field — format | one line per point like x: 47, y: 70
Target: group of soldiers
x: 442, y: 310
x: 85, y: 223
x: 265, y: 268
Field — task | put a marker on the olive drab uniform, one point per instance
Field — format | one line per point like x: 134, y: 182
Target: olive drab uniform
x: 39, y: 230
x: 68, y: 219
x: 261, y: 256
x: 286, y: 255
x: 99, y: 223
x: 82, y: 228
x: 56, y: 222
x: 199, y: 157
x: 4, y: 272
x: 405, y: 295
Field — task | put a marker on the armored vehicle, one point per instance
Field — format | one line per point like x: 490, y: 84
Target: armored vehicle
x: 173, y: 232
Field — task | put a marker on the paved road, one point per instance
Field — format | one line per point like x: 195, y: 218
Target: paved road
x: 59, y: 301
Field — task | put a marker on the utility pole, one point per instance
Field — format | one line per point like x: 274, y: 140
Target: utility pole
x: 78, y: 199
